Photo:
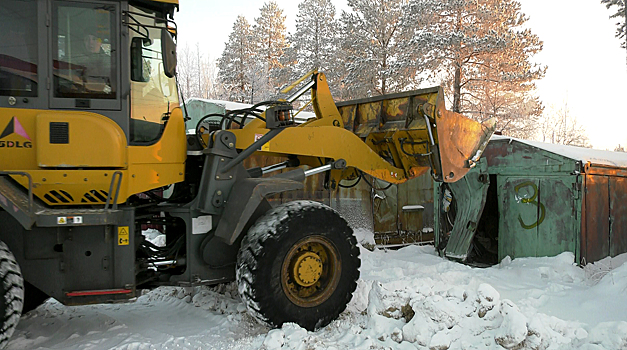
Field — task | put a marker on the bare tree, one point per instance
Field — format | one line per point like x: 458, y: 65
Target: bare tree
x: 197, y: 74
x: 517, y: 117
x: 185, y: 70
x: 559, y: 126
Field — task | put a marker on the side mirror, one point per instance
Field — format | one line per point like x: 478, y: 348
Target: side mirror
x: 168, y: 51
x: 139, y: 70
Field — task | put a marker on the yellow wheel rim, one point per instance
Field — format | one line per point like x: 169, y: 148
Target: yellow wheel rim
x: 311, y: 271
x: 307, y: 269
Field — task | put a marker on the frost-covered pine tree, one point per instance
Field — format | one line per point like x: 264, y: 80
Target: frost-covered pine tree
x: 374, y: 41
x: 270, y: 38
x: 313, y: 42
x: 483, y: 52
x: 619, y: 8
x: 235, y: 63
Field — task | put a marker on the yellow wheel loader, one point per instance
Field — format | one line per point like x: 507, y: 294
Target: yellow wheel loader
x: 92, y: 135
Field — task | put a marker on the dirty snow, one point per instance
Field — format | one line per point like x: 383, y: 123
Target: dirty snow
x: 406, y: 299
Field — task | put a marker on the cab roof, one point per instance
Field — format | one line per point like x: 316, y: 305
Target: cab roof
x: 167, y: 5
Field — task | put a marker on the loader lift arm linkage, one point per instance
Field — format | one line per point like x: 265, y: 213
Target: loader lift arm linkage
x: 393, y: 138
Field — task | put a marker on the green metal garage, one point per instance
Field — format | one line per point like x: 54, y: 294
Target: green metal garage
x: 530, y: 199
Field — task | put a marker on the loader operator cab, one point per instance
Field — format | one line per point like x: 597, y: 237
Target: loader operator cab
x: 100, y: 56
x: 87, y: 86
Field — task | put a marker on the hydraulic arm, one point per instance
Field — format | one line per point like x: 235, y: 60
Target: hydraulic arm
x: 393, y: 137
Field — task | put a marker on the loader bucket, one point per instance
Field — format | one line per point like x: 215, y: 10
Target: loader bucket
x: 414, y: 131
x: 462, y: 141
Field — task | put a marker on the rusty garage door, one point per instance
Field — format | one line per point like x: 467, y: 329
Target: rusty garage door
x: 605, y: 222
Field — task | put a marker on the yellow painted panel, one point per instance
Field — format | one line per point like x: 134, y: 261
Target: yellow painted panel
x: 73, y: 187
x: 162, y: 163
x: 17, y: 149
x: 144, y: 177
x: 326, y: 142
x: 94, y: 141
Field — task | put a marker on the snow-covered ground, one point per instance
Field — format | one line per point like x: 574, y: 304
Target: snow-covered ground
x: 406, y: 299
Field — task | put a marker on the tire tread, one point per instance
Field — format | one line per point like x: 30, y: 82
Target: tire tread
x: 264, y: 233
x: 11, y: 292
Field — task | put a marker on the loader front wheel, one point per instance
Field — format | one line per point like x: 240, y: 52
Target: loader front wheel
x: 299, y: 263
x: 11, y: 294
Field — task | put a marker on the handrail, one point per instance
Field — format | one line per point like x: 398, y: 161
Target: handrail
x: 117, y: 191
x: 30, y: 187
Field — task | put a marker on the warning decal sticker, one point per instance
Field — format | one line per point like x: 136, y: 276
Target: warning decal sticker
x: 266, y: 146
x: 123, y: 235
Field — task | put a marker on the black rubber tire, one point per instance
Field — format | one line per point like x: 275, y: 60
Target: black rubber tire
x: 11, y: 294
x: 269, y: 242
x: 33, y: 297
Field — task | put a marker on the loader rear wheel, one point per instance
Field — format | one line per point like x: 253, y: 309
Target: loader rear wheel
x: 299, y: 263
x: 11, y: 294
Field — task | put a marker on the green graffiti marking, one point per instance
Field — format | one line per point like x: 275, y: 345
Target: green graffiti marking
x: 533, y: 201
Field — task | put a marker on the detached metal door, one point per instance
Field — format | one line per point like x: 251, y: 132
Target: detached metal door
x: 470, y: 195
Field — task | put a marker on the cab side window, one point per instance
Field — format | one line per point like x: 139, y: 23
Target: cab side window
x: 154, y: 94
x: 18, y: 48
x: 84, y: 50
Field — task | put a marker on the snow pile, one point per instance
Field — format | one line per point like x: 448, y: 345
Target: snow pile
x: 596, y: 271
x: 155, y: 237
x: 462, y: 318
x: 405, y: 299
x: 365, y: 238
x: 456, y: 311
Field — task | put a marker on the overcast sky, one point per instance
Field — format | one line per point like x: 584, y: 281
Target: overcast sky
x: 587, y: 67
